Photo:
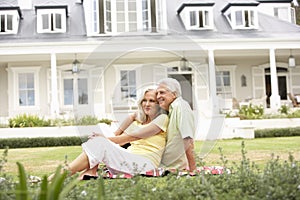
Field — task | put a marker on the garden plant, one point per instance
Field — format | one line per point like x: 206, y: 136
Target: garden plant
x: 278, y: 179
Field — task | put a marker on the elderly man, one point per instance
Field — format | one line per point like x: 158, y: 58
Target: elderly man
x: 179, y: 151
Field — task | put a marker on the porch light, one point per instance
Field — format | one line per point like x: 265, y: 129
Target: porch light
x: 292, y: 61
x: 184, y: 64
x: 75, y: 66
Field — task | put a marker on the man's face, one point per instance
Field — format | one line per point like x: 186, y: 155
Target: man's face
x: 164, y: 97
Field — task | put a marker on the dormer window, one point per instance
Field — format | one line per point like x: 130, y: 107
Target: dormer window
x: 285, y: 13
x: 196, y: 16
x: 9, y: 20
x: 241, y: 16
x: 51, y: 19
x: 119, y: 16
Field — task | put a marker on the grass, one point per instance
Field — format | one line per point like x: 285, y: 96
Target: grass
x: 41, y: 161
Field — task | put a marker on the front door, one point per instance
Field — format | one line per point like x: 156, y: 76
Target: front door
x: 282, y: 87
x: 185, y: 81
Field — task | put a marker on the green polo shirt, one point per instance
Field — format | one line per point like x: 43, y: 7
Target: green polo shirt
x: 181, y: 125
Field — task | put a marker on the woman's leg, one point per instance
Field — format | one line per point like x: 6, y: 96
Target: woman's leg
x: 79, y: 164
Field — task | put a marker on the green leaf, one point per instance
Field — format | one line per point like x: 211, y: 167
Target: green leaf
x: 101, y: 190
x: 56, y: 184
x: 44, y: 189
x: 68, y: 188
x: 21, y: 188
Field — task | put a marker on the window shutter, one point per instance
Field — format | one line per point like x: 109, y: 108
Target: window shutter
x: 258, y: 81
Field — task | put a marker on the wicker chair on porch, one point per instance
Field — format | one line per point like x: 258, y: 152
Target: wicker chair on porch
x: 294, y: 102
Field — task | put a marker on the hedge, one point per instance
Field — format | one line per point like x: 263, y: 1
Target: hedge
x: 277, y: 132
x: 75, y: 141
x: 40, y: 142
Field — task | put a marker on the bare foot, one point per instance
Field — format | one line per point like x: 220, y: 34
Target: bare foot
x: 89, y: 172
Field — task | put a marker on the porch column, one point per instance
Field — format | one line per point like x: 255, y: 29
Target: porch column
x: 275, y: 98
x: 212, y: 82
x: 54, y: 106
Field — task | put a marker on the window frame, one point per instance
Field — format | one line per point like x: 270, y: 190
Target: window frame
x: 228, y: 91
x: 247, y: 14
x: 118, y: 97
x: 207, y: 19
x: 67, y: 75
x: 14, y: 21
x: 110, y: 22
x: 52, y: 26
x: 289, y: 12
x: 20, y: 70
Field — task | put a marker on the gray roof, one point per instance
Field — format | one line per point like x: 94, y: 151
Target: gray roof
x: 76, y: 31
x: 268, y: 26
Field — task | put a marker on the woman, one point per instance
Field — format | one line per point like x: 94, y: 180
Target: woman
x: 147, y: 140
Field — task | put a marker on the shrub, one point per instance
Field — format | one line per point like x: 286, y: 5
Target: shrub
x: 284, y: 109
x: 91, y: 120
x: 28, y: 121
x: 278, y: 180
x: 251, y: 112
x: 40, y: 142
x: 35, y: 121
x: 295, y: 114
x: 277, y: 132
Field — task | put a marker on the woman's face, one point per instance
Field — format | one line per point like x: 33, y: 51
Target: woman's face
x: 149, y: 103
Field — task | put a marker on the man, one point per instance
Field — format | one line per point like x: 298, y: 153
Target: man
x: 179, y: 151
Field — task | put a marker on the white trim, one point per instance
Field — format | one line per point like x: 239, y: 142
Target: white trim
x: 50, y: 12
x: 15, y: 21
x: 231, y: 69
x: 232, y: 20
x: 186, y: 14
x: 16, y: 71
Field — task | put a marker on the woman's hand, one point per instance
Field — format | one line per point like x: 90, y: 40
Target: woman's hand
x: 93, y: 135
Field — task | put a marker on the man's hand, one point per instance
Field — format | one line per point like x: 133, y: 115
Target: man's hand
x: 190, y: 154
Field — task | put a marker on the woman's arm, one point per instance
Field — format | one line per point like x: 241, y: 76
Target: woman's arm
x: 145, y: 132
x: 125, y: 124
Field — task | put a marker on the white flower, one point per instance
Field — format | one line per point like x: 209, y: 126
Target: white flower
x: 83, y: 193
x: 2, y: 179
x: 153, y: 189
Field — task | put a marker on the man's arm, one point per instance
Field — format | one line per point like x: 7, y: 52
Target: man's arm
x: 190, y: 154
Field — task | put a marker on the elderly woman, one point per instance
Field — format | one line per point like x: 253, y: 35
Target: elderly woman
x: 147, y: 135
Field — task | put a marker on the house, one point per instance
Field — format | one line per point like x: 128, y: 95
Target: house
x: 92, y: 57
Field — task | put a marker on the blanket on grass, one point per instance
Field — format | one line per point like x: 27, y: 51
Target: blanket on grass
x: 160, y: 172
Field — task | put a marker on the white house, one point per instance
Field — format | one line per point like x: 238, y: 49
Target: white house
x: 91, y: 57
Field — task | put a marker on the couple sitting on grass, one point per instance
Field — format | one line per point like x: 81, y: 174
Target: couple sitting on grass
x: 157, y: 139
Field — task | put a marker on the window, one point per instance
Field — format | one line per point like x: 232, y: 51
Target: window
x: 82, y: 91
x: 51, y: 20
x: 68, y: 92
x: 285, y: 13
x: 224, y: 85
x: 26, y: 89
x: 128, y: 84
x: 9, y: 22
x: 118, y: 16
x: 281, y: 13
x: 241, y: 16
x: 145, y: 15
x: 69, y: 87
x: 197, y: 15
x: 200, y: 19
x: 243, y: 19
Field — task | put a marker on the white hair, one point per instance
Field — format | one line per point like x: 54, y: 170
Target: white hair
x: 171, y: 84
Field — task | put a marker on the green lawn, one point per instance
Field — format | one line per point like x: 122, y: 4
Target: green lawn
x: 41, y: 161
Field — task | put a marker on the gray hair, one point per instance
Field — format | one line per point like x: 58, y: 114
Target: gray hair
x: 171, y: 84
